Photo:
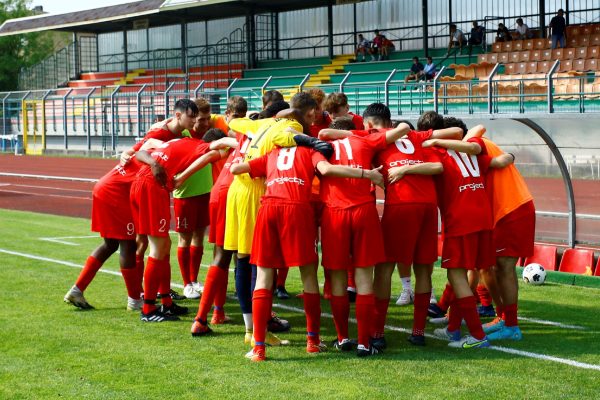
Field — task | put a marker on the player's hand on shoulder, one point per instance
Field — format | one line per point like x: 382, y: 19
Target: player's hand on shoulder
x: 325, y: 148
x: 159, y: 173
x: 125, y: 157
x: 429, y: 143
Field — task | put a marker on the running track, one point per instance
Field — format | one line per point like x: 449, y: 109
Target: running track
x: 73, y: 198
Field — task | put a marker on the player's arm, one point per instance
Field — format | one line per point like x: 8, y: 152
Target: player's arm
x: 456, y: 145
x: 333, y: 134
x: 340, y: 171
x: 476, y: 131
x: 428, y: 168
x: 157, y: 170
x: 503, y: 160
x: 447, y: 133
x: 223, y: 143
x: 196, y: 166
x: 240, y: 168
x: 326, y: 149
x: 396, y: 133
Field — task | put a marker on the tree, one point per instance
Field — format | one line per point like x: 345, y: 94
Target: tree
x: 20, y: 51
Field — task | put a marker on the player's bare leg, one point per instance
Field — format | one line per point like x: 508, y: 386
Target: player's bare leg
x: 488, y: 276
x: 508, y: 326
x: 196, y: 253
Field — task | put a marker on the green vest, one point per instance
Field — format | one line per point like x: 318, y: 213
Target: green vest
x: 199, y: 183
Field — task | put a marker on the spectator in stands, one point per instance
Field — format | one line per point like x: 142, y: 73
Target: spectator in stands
x: 476, y: 37
x: 523, y: 31
x: 364, y: 47
x: 386, y: 47
x: 457, y: 38
x: 558, y: 27
x: 376, y: 45
x: 416, y: 71
x: 503, y: 34
x: 429, y: 70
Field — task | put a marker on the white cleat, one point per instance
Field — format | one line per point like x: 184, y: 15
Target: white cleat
x: 189, y: 292
x: 134, y: 305
x: 198, y: 287
x: 407, y: 296
x: 75, y: 297
x: 433, y: 299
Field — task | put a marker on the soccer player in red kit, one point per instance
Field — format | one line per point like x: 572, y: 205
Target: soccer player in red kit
x: 351, y: 232
x: 410, y: 220
x: 336, y: 104
x: 322, y: 119
x: 112, y: 219
x: 285, y: 232
x: 467, y: 221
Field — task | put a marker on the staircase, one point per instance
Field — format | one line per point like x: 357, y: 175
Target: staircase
x: 129, y: 78
x: 336, y: 66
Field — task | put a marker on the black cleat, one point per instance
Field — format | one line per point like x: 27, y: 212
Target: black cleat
x: 176, y: 296
x: 158, y: 316
x: 277, y: 325
x: 344, y: 345
x: 281, y: 293
x: 173, y: 310
x: 363, y: 351
x: 379, y: 343
x: 352, y: 296
x: 434, y: 311
x: 417, y: 340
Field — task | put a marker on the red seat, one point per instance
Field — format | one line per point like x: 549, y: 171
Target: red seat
x: 497, y: 47
x: 545, y: 255
x: 577, y: 261
x: 597, y: 271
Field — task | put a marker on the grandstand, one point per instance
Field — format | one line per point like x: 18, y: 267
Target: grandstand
x: 128, y: 64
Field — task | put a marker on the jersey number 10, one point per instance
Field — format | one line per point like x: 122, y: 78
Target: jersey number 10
x: 467, y: 164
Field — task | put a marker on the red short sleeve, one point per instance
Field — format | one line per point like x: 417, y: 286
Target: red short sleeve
x: 480, y: 142
x: 377, y: 140
x: 258, y: 166
x: 317, y: 158
x: 420, y: 136
x: 484, y: 162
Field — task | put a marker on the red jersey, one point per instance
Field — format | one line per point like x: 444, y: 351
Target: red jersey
x: 175, y: 156
x: 316, y: 128
x: 356, y: 152
x: 462, y: 198
x: 289, y: 171
x: 226, y: 177
x: 117, y: 181
x: 357, y: 120
x: 412, y: 188
x: 162, y: 133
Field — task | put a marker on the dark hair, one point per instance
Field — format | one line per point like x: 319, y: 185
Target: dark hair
x: 430, y: 120
x: 429, y: 58
x: 452, y: 26
x: 238, y: 106
x: 378, y: 113
x: 415, y: 58
x: 213, y: 134
x: 185, y: 105
x: 395, y: 123
x: 343, y: 123
x: 271, y: 96
x: 303, y: 102
x: 335, y: 101
x: 519, y: 20
x: 452, y: 122
x: 273, y: 109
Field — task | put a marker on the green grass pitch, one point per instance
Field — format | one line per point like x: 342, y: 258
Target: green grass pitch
x: 51, y: 350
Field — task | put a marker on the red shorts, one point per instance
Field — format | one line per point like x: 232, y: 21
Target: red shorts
x: 216, y: 232
x: 318, y: 207
x: 112, y: 218
x: 514, y: 234
x: 151, y: 208
x: 191, y: 213
x: 471, y: 251
x: 351, y: 237
x: 410, y: 233
x: 284, y: 236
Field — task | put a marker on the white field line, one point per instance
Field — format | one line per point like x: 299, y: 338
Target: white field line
x: 551, y: 323
x: 61, y: 241
x: 46, y: 187
x: 45, y: 195
x: 49, y: 177
x: 508, y: 350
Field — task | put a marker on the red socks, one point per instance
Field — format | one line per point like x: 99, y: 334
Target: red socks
x: 152, y: 278
x: 340, y: 308
x: 221, y: 295
x: 312, y: 309
x: 468, y: 309
x: 447, y: 298
x: 196, y: 253
x: 327, y: 285
x: 91, y: 267
x: 484, y: 295
x: 365, y: 304
x: 351, y: 282
x: 262, y: 302
x: 381, y: 309
x: 164, y: 287
x: 420, y: 313
x: 212, y: 286
x: 282, y: 274
x: 183, y: 256
x: 139, y: 269
x: 510, y: 315
x: 130, y: 276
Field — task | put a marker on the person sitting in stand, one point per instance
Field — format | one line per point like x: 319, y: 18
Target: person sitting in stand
x: 416, y: 70
x: 477, y: 36
x: 364, y: 47
x: 457, y: 38
x: 523, y: 31
x: 386, y: 46
x: 503, y: 34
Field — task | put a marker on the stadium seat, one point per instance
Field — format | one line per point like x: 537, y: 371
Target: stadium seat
x: 497, y: 47
x: 556, y: 54
x: 565, y: 66
x: 493, y: 58
x: 525, y: 56
x: 510, y: 69
x: 591, y: 65
x: 503, y: 58
x: 543, y: 67
x: 517, y: 45
x: 528, y: 44
x: 536, y: 55
x: 573, y: 30
x: 543, y: 254
x: 531, y: 67
x: 546, y: 55
x: 595, y: 28
x: 572, y: 41
x: 583, y: 41
x: 581, y: 53
x: 577, y: 261
x: 482, y: 58
x: 514, y: 57
x: 594, y: 39
x: 522, y: 68
x: 540, y: 44
x: 579, y: 65
x: 586, y: 30
x: 597, y: 270
x: 592, y: 52
x: 507, y: 46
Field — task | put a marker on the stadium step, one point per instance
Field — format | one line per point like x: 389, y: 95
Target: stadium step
x: 334, y: 67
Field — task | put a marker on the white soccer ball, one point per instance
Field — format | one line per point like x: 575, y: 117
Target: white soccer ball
x: 534, y: 274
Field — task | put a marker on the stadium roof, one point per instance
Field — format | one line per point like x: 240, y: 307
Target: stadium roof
x: 156, y: 12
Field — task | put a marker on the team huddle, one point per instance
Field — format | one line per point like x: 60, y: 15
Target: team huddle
x: 271, y: 185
